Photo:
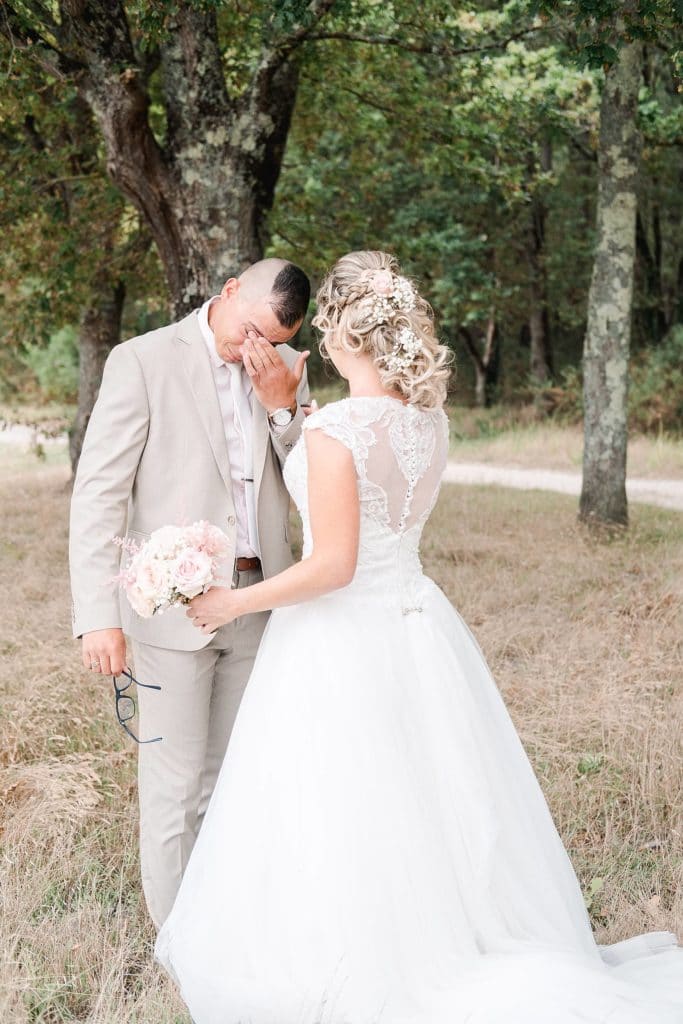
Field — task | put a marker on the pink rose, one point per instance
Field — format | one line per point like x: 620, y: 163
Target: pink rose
x: 192, y: 571
x: 382, y: 283
x: 204, y: 536
x: 217, y: 544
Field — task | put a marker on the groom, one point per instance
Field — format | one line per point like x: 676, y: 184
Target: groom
x: 193, y: 421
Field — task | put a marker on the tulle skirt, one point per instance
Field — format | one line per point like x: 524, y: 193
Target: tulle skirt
x: 378, y: 850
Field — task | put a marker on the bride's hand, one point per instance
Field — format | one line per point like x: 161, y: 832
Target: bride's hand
x: 213, y: 609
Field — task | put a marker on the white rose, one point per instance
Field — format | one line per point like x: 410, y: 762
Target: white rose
x: 139, y: 603
x: 165, y: 541
x: 152, y: 579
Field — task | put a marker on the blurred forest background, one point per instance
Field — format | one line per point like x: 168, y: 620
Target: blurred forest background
x: 151, y: 149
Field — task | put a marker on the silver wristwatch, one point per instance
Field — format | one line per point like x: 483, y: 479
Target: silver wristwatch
x: 281, y: 417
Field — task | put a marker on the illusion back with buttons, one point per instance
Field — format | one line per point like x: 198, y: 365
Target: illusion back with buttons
x: 399, y: 453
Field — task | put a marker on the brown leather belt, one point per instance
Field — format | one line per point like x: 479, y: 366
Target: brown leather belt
x: 244, y: 564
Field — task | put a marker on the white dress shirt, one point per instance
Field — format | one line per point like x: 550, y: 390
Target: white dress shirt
x: 235, y: 396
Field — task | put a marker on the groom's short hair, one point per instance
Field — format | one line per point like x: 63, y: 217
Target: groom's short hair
x: 290, y: 295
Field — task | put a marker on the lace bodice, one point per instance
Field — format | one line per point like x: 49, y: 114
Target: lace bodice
x: 399, y: 453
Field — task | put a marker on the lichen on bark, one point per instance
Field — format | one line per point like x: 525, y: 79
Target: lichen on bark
x: 205, y: 189
x: 608, y: 330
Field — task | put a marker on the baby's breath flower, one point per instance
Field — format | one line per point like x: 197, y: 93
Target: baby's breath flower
x: 406, y: 348
x: 391, y: 294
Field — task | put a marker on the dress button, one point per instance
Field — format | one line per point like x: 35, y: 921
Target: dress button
x: 231, y: 520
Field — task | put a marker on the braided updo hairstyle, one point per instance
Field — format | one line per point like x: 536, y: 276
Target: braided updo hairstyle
x: 398, y: 332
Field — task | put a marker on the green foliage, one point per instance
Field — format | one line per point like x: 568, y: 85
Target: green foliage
x: 61, y: 221
x: 603, y: 26
x: 656, y: 385
x: 655, y: 398
x: 55, y: 365
x: 590, y: 764
x: 437, y: 159
x: 428, y: 139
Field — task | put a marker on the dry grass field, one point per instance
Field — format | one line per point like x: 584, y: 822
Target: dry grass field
x: 584, y: 638
x: 476, y: 437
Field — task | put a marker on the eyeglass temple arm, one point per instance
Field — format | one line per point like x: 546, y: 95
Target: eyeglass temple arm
x: 148, y: 686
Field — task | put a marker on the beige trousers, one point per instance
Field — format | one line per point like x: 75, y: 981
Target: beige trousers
x: 193, y: 713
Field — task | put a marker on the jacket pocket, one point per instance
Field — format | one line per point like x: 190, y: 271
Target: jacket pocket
x: 137, y: 535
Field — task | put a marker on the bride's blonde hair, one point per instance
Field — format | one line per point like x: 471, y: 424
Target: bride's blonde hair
x: 365, y: 304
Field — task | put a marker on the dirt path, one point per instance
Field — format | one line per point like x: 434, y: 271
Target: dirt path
x: 20, y: 434
x: 666, y: 493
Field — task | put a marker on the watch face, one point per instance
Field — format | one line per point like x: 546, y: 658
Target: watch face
x: 281, y: 417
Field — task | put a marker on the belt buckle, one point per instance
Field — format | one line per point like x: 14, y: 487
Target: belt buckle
x: 235, y: 575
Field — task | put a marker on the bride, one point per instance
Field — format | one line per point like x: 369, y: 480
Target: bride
x: 377, y: 849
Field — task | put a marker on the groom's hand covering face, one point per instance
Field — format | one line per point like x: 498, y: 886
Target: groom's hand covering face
x: 236, y: 312
x: 246, y: 329
x: 274, y: 384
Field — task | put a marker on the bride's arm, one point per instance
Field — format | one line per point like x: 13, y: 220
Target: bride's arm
x: 335, y: 521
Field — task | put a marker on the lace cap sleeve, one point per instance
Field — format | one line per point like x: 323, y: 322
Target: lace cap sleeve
x: 334, y: 419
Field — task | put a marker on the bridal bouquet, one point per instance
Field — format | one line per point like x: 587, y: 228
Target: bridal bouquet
x: 172, y: 567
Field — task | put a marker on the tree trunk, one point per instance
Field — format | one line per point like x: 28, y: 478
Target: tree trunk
x: 100, y: 331
x: 607, y: 340
x: 540, y: 355
x: 206, y: 193
x: 486, y: 363
x: 652, y: 319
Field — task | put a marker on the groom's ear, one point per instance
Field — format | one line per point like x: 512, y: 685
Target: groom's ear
x: 230, y: 288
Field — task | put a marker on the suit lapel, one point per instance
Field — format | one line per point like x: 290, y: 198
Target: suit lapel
x: 195, y: 361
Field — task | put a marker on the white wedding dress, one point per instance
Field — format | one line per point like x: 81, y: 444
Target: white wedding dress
x: 377, y: 849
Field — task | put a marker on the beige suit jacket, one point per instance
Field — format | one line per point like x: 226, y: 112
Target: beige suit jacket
x: 155, y: 454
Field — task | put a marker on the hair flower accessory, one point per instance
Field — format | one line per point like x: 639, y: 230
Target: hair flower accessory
x: 404, y: 294
x: 391, y: 294
x: 406, y: 347
x: 382, y: 283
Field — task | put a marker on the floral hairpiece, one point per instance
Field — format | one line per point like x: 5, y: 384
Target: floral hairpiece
x: 393, y: 294
x: 406, y: 347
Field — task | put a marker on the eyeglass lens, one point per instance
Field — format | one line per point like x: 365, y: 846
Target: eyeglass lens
x: 126, y: 708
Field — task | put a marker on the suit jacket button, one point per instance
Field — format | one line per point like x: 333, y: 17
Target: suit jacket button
x: 231, y: 520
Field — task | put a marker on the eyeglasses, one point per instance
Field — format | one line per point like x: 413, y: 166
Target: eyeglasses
x: 125, y: 705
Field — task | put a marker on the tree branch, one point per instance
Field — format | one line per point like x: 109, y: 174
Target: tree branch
x: 270, y: 99
x: 127, y: 256
x: 434, y: 49
x: 586, y: 153
x: 26, y: 37
x: 367, y: 101
x: 195, y: 95
x: 98, y: 34
x: 434, y: 134
x: 316, y: 11
x: 41, y: 13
